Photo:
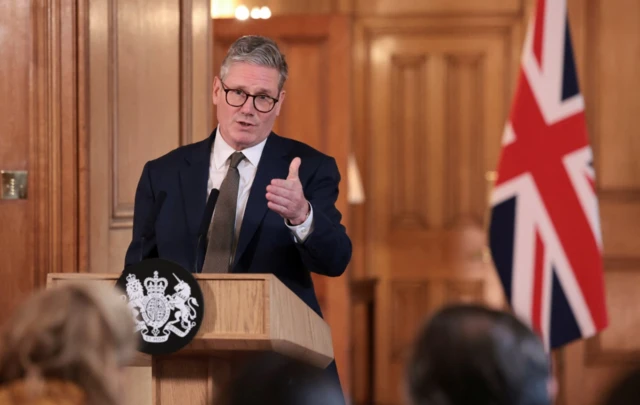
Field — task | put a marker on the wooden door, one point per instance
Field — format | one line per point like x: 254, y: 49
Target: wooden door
x: 39, y: 129
x: 432, y: 96
x: 317, y: 111
x: 16, y: 217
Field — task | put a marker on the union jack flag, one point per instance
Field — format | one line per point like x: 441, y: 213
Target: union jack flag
x: 544, y: 233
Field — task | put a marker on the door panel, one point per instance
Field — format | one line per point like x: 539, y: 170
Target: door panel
x: 148, y: 94
x: 435, y: 93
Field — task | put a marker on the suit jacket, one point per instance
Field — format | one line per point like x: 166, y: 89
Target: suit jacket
x: 265, y: 244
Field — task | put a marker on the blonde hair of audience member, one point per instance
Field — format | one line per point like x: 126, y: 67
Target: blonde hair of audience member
x: 70, y: 339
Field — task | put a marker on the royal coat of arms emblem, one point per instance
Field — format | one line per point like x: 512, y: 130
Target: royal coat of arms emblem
x: 157, y: 314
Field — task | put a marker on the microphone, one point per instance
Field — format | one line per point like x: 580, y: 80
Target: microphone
x: 206, y: 221
x: 148, y: 230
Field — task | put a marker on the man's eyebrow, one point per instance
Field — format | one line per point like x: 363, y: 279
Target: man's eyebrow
x: 263, y: 91
x: 260, y: 90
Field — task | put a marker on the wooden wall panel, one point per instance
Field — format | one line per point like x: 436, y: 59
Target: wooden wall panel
x: 408, y: 76
x: 620, y: 216
x: 225, y: 8
x: 618, y: 36
x: 406, y: 7
x: 149, y: 92
x: 54, y: 138
x: 411, y: 301
x: 144, y: 85
x: 605, y: 37
x: 465, y: 191
x: 414, y: 301
x: 185, y: 381
x: 305, y: 97
x: 433, y: 94
x: 15, y: 215
x: 141, y: 392
x: 619, y: 342
x: 38, y: 133
x: 382, y: 8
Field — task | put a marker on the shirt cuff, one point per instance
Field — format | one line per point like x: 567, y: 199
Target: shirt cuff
x: 302, y: 231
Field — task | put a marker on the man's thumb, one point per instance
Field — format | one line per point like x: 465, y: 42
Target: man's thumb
x: 293, y: 169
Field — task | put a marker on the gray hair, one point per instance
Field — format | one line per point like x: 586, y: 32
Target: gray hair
x: 256, y: 50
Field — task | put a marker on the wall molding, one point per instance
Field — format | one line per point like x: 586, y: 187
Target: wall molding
x: 54, y: 164
x: 122, y: 211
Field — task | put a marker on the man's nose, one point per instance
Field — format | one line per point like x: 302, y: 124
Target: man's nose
x: 248, y: 107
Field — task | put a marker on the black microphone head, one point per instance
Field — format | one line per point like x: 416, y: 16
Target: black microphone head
x: 208, y: 211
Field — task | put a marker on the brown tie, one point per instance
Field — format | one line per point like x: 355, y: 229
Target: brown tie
x: 222, y: 229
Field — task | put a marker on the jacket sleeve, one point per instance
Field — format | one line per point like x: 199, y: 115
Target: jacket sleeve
x: 327, y: 250
x: 140, y: 249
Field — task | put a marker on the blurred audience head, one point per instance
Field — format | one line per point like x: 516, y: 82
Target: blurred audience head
x: 77, y: 335
x: 271, y: 379
x: 626, y: 391
x: 472, y: 355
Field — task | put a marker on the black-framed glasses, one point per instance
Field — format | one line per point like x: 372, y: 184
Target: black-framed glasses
x: 237, y: 98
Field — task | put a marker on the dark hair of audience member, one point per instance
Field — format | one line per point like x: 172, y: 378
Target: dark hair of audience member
x: 626, y: 391
x: 271, y: 379
x: 472, y: 355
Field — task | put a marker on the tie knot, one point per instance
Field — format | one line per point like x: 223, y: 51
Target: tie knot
x: 236, y: 158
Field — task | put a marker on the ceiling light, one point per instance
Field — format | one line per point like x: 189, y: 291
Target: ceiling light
x: 242, y: 12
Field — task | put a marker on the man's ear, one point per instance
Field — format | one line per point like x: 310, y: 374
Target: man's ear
x: 217, y: 88
x: 280, y: 101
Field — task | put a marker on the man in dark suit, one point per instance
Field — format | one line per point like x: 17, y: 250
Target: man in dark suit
x: 276, y: 209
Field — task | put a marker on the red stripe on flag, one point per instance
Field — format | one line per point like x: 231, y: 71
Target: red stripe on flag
x: 539, y: 31
x: 538, y: 279
x: 539, y: 150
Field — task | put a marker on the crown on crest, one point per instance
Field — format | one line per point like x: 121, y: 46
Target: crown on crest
x: 156, y: 285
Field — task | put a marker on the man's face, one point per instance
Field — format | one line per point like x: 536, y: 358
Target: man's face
x: 245, y: 126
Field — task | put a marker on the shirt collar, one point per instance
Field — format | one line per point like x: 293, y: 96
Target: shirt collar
x: 222, y: 151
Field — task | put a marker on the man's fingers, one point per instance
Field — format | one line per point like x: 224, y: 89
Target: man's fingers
x: 277, y: 208
x: 281, y: 191
x: 281, y: 201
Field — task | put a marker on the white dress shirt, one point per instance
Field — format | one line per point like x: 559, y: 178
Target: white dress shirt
x: 218, y: 166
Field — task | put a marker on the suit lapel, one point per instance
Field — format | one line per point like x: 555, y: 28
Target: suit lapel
x: 193, y: 181
x: 273, y: 164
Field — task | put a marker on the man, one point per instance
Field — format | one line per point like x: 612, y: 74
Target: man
x: 276, y: 209
x: 472, y: 355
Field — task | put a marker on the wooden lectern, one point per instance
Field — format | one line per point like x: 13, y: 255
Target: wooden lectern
x: 243, y: 314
